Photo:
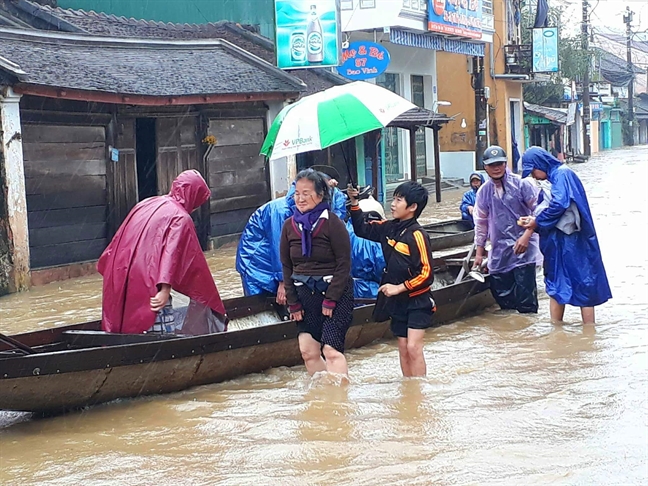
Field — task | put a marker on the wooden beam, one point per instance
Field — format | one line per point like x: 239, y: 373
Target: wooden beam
x: 15, y: 276
x: 128, y: 99
x: 437, y: 165
x: 412, y: 134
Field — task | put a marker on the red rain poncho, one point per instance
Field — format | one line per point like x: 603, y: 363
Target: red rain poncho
x: 156, y: 244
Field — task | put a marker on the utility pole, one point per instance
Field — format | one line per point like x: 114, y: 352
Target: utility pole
x: 586, y: 81
x: 627, y: 19
x: 480, y: 110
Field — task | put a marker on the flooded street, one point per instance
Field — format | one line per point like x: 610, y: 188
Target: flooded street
x: 509, y: 399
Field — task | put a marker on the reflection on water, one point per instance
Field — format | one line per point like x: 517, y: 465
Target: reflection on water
x: 510, y: 399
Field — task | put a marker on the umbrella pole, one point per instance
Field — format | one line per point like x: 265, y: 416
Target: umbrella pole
x: 346, y: 162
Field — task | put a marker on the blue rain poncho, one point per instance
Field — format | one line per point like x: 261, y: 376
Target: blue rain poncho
x: 257, y: 256
x: 469, y: 198
x: 574, y: 271
x: 496, y: 214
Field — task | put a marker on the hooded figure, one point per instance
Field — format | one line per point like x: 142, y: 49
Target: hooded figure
x: 257, y: 256
x: 574, y: 271
x: 157, y: 246
x: 468, y: 202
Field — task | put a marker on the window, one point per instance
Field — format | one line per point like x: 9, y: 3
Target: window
x: 367, y: 3
x: 487, y: 7
x: 418, y: 98
x: 346, y: 5
x: 415, y: 5
x: 390, y: 140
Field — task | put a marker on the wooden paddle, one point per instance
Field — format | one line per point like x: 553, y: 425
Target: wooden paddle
x: 16, y: 344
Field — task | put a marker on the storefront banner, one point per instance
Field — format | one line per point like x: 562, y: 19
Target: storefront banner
x: 456, y: 17
x: 307, y: 33
x: 545, y: 50
x: 363, y: 60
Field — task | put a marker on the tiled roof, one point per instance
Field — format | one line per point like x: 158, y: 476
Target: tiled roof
x: 115, y: 26
x: 558, y: 115
x: 140, y: 67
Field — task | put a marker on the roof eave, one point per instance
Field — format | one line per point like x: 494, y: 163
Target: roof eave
x: 148, y: 100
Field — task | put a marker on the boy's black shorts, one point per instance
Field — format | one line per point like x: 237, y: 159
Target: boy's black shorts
x: 411, y: 319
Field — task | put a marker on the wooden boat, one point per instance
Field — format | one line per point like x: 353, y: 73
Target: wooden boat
x: 77, y: 366
x: 450, y: 234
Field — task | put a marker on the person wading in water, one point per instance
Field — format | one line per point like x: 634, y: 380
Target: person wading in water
x: 573, y: 267
x: 316, y: 261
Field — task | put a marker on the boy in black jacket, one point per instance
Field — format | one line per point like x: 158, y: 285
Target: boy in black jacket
x: 405, y: 291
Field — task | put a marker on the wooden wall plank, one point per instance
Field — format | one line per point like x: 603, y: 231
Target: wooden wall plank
x: 239, y: 177
x: 66, y: 199
x: 230, y: 222
x: 47, y: 256
x: 62, y: 134
x: 66, y: 234
x: 237, y: 131
x: 64, y: 151
x: 60, y: 217
x: 224, y: 192
x: 45, y: 167
x: 236, y: 203
x: 52, y: 184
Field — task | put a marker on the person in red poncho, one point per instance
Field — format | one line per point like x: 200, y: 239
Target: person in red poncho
x: 156, y: 249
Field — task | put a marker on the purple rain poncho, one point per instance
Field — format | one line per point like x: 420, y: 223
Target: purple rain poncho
x: 496, y: 218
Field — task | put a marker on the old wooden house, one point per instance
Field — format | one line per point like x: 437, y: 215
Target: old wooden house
x: 92, y: 125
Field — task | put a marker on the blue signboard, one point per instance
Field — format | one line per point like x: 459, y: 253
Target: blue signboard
x: 363, y: 60
x: 456, y: 17
x: 307, y: 33
x: 545, y: 50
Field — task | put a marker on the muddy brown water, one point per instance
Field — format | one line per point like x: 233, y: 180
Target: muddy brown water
x: 509, y: 399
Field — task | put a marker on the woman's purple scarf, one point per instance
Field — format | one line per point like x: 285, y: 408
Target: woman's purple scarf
x: 307, y: 221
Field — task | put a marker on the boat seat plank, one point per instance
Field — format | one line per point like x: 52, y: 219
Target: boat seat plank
x: 95, y: 339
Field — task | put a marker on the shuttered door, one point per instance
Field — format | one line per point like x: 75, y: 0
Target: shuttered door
x: 65, y: 181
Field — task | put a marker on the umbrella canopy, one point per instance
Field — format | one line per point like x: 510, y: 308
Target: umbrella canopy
x: 332, y: 116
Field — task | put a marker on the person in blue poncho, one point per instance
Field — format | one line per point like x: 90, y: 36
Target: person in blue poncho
x: 574, y: 271
x: 468, y: 202
x: 257, y: 256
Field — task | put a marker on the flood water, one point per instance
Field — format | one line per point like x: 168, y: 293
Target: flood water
x: 509, y: 399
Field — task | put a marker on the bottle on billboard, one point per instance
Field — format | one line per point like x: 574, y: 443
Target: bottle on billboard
x: 314, y: 38
x: 298, y: 46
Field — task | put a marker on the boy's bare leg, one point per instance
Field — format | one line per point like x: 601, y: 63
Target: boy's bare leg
x: 404, y: 357
x: 587, y: 313
x: 311, y: 353
x: 556, y: 311
x: 415, y: 352
x: 335, y: 361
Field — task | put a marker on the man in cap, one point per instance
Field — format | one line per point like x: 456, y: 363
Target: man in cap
x: 501, y: 202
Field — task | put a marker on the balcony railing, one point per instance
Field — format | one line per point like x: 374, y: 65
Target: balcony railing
x: 518, y: 58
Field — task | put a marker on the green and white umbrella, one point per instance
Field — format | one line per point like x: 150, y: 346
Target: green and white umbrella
x: 332, y: 116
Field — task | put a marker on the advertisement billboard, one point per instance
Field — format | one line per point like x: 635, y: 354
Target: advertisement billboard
x: 545, y: 50
x: 456, y: 17
x: 307, y: 33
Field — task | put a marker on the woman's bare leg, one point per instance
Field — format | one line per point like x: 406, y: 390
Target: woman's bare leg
x: 311, y: 353
x: 335, y: 361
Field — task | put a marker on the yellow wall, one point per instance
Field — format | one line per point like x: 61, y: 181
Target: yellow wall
x: 453, y: 83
